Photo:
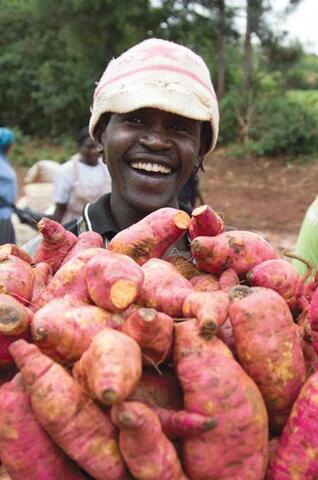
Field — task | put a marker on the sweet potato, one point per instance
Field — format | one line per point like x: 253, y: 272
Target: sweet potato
x: 164, y: 288
x: 85, y: 240
x: 12, y: 249
x: 63, y: 329
x: 148, y: 453
x: 239, y: 249
x: 151, y: 236
x: 268, y: 348
x: 184, y: 265
x: 15, y: 320
x: 162, y: 391
x: 279, y: 275
x: 42, y: 276
x: 205, y: 222
x: 295, y: 456
x: 205, y: 283
x: 68, y: 415
x: 209, y: 308
x: 228, y: 279
x: 55, y: 244
x: 25, y: 448
x: 182, y: 424
x: 226, y: 334
x: 153, y: 331
x: 215, y: 384
x: 313, y: 310
x: 110, y: 368
x: 16, y: 278
x: 4, y: 474
x: 114, y: 281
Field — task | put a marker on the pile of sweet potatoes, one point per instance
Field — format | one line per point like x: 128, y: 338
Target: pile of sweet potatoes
x: 133, y: 363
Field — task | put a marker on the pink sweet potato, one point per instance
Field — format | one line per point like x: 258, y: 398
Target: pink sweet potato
x: 25, y: 448
x: 280, y: 276
x: 4, y: 474
x: 205, y: 222
x: 164, y: 288
x: 15, y: 320
x: 63, y: 329
x: 148, y: 453
x: 12, y: 249
x: 295, y: 456
x: 84, y: 241
x: 184, y: 265
x: 205, y: 283
x: 151, y: 236
x: 239, y: 249
x: 228, y: 279
x: 114, y: 281
x: 215, y: 384
x: 16, y: 278
x: 268, y: 348
x: 209, y: 308
x: 110, y: 368
x: 68, y: 415
x: 153, y: 331
x: 162, y: 391
x: 55, y: 245
x: 226, y: 334
x: 182, y: 424
x: 42, y: 276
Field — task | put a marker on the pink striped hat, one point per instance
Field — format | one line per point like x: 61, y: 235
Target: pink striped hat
x: 158, y: 74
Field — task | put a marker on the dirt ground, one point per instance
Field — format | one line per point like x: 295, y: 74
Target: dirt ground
x: 264, y: 195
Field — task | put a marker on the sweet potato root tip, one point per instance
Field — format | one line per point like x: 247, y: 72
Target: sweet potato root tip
x: 239, y: 292
x: 39, y: 334
x: 182, y: 220
x: 109, y: 396
x: 123, y: 293
x: 210, y: 424
x: 199, y: 210
x: 208, y: 329
x: 195, y: 246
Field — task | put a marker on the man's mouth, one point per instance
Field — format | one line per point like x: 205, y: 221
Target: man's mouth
x: 151, y: 167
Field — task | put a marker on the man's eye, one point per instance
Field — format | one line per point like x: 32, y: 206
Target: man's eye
x: 179, y: 127
x: 135, y: 119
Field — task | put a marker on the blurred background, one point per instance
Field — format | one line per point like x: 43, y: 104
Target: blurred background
x: 263, y: 57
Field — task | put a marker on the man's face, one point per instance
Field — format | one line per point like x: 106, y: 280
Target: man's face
x: 89, y: 151
x: 150, y: 155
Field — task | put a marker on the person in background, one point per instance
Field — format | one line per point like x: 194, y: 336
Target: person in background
x: 307, y: 241
x: 84, y: 178
x: 8, y: 187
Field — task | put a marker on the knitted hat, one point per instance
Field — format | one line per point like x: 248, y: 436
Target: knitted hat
x: 158, y: 74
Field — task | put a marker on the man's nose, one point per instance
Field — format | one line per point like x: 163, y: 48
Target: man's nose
x: 155, y: 139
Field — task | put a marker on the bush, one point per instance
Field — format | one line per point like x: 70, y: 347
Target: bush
x: 286, y: 125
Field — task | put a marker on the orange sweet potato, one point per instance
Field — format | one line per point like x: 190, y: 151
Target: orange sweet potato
x: 205, y: 222
x: 16, y: 278
x: 25, y: 448
x: 113, y: 280
x: 110, y: 368
x: 68, y: 415
x: 239, y: 249
x: 85, y: 240
x: 151, y: 236
x: 12, y: 249
x: 63, y: 329
x: 215, y: 384
x: 153, y: 331
x: 148, y: 453
x: 15, y: 320
x: 55, y: 245
x: 268, y: 348
x: 295, y: 456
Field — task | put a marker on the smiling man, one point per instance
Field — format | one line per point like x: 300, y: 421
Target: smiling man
x: 155, y: 117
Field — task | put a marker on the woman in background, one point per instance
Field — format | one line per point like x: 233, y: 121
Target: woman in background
x: 8, y: 187
x: 83, y: 179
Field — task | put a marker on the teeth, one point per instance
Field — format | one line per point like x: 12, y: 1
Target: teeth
x: 151, y: 167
